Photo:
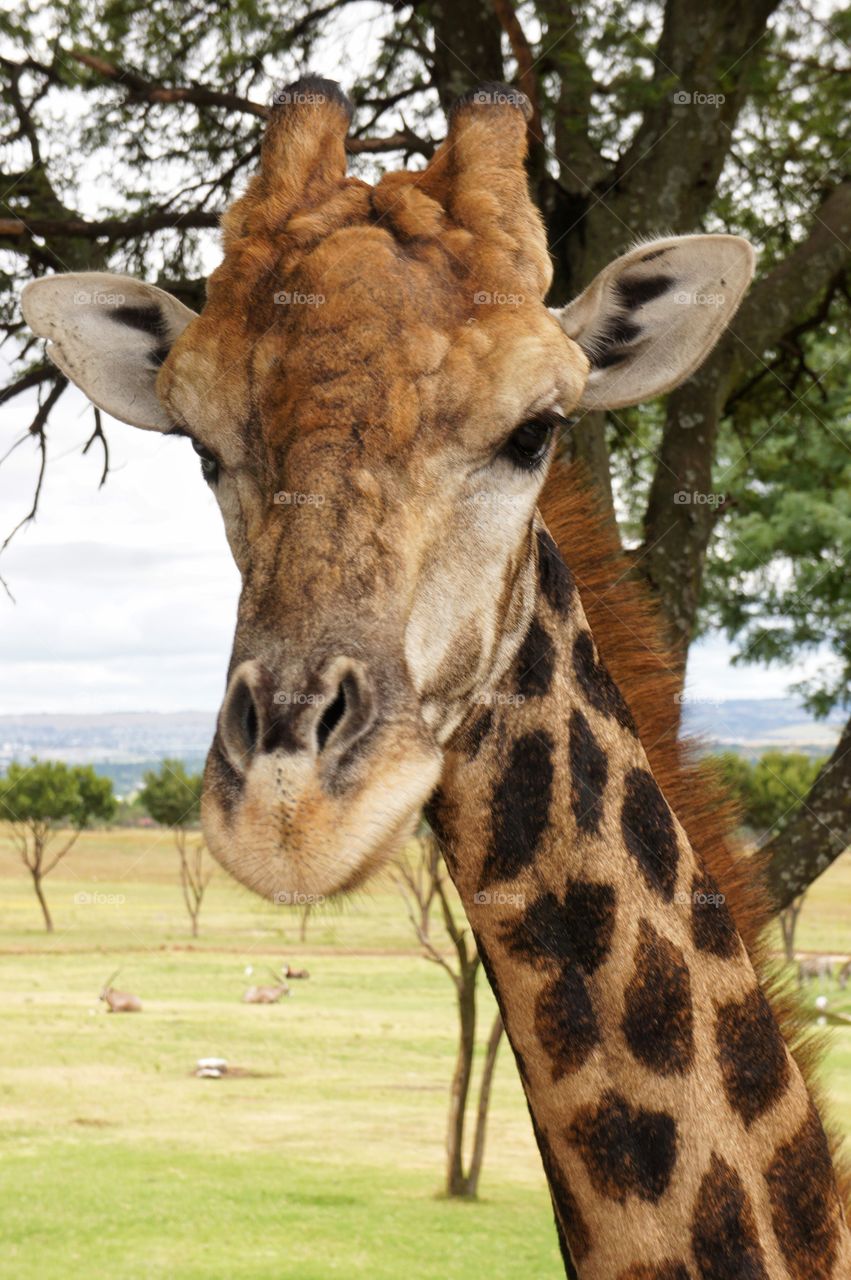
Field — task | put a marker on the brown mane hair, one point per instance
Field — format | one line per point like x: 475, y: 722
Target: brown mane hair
x: 629, y: 633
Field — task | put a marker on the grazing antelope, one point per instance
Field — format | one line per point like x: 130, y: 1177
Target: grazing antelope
x: 119, y: 1001
x: 814, y: 967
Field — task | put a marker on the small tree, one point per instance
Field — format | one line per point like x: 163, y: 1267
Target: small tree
x: 173, y: 798
x: 769, y: 790
x: 768, y: 793
x: 41, y: 801
x: 423, y: 883
x: 781, y: 779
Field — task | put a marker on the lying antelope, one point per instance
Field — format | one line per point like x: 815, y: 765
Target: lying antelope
x: 119, y: 1001
x: 295, y: 973
x: 266, y: 995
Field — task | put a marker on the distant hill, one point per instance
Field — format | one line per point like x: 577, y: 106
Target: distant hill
x: 120, y: 746
x: 125, y: 744
x: 753, y: 725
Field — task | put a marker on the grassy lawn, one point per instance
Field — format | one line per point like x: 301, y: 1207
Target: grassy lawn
x: 326, y: 1158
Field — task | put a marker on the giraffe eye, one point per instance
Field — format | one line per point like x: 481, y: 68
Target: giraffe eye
x: 528, y: 444
x: 209, y: 462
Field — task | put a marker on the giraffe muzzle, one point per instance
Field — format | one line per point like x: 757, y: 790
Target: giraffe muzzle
x: 309, y: 790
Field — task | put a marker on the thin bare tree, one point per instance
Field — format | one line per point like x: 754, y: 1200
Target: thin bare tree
x: 195, y: 874
x: 422, y: 883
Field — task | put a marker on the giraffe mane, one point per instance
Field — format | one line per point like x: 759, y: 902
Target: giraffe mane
x: 628, y: 629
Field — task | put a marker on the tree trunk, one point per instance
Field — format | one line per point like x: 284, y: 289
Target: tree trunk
x: 788, y: 920
x: 484, y: 1102
x: 818, y: 832
x: 456, y: 1182
x: 467, y: 45
x: 48, y: 923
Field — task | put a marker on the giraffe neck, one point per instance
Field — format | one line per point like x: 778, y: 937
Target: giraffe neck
x: 677, y: 1133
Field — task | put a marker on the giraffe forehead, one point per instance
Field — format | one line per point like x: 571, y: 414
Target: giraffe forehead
x: 364, y: 336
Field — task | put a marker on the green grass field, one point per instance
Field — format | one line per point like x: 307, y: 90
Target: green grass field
x: 326, y: 1160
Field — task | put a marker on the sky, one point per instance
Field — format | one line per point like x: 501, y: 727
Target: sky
x: 125, y: 597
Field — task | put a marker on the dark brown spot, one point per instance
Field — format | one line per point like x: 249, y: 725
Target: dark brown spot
x: 712, y: 925
x: 648, y: 832
x: 520, y: 807
x: 752, y: 1055
x: 535, y: 662
x: 565, y: 1022
x: 805, y: 1208
x: 577, y: 931
x: 658, y: 1021
x: 724, y: 1234
x: 589, y: 773
x: 554, y: 577
x: 596, y: 683
x: 627, y: 1151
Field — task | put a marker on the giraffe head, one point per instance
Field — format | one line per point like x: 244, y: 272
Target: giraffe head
x: 375, y: 387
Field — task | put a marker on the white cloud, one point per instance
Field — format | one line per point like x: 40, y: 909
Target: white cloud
x: 126, y: 596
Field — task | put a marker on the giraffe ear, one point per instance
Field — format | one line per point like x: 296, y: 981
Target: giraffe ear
x: 109, y: 334
x: 652, y: 316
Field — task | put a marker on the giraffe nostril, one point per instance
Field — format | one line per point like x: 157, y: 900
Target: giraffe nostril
x: 331, y: 717
x: 251, y: 726
x: 256, y: 721
x: 239, y: 723
x: 348, y: 711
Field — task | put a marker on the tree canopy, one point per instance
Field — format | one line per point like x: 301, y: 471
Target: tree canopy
x: 770, y: 789
x: 171, y: 795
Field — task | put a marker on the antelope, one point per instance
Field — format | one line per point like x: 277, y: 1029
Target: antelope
x: 814, y: 967
x: 292, y: 973
x: 119, y: 1001
x: 266, y: 995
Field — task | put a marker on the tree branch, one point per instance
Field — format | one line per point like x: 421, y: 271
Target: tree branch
x: 114, y: 228
x: 668, y: 175
x: 526, y: 79
x: 581, y: 166
x: 36, y: 428
x: 818, y: 832
x: 782, y: 300
x: 140, y: 89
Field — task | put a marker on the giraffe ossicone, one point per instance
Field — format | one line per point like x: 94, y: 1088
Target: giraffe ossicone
x: 376, y: 388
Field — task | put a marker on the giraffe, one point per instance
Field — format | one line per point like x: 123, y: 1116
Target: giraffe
x: 374, y: 387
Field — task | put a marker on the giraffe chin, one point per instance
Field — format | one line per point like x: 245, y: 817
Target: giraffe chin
x: 290, y: 838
